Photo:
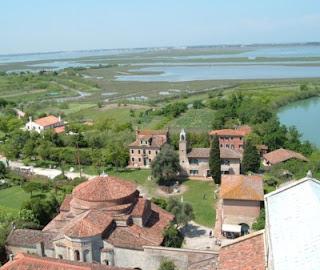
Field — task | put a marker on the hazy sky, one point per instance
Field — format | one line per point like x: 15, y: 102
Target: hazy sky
x: 51, y: 25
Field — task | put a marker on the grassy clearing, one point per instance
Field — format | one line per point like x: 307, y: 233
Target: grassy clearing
x: 200, y: 195
x: 12, y: 198
x: 194, y: 119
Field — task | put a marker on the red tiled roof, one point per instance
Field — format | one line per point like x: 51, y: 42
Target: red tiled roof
x: 104, y: 188
x: 245, y: 253
x: 65, y: 206
x: 93, y: 223
x: 242, y: 187
x: 281, y: 155
x: 136, y: 237
x: 59, y: 130
x: 205, y: 153
x: 157, y: 138
x: 139, y: 207
x: 240, y: 131
x: 47, y: 121
x: 32, y: 262
x: 29, y: 238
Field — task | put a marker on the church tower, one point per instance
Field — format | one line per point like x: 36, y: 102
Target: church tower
x: 183, y: 158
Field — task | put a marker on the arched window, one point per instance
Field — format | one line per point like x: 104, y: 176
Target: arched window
x: 106, y: 262
x: 86, y: 255
x: 60, y: 256
x: 76, y: 255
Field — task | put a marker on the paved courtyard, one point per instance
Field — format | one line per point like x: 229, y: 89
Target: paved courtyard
x: 198, y: 237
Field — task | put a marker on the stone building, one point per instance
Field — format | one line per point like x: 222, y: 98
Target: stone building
x: 147, y: 145
x: 195, y: 162
x: 291, y: 238
x: 232, y: 138
x: 104, y: 220
x: 48, y: 122
x: 242, y: 196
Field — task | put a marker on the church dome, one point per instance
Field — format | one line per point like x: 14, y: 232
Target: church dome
x: 104, y: 189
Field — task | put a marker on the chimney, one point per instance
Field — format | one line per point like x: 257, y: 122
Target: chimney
x: 59, y: 118
x: 11, y: 257
x: 30, y: 119
x: 137, y: 131
x: 40, y: 249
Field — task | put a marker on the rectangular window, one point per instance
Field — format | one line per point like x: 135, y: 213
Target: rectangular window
x: 149, y: 152
x: 227, y: 145
x: 194, y: 172
x: 139, y: 151
x: 132, y: 159
x: 132, y: 151
x: 139, y: 159
x: 194, y: 161
x: 156, y: 152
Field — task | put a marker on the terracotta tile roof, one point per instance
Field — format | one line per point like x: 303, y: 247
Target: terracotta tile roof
x: 139, y: 207
x: 59, y: 130
x: 157, y: 138
x: 136, y: 237
x: 245, y: 253
x: 65, y: 206
x: 205, y: 153
x: 239, y: 132
x: 47, y: 121
x: 281, y: 155
x: 242, y: 187
x: 104, y: 188
x: 93, y: 223
x: 29, y: 238
x: 32, y: 262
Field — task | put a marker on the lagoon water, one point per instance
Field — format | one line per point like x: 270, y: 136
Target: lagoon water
x: 222, y: 72
x: 305, y: 115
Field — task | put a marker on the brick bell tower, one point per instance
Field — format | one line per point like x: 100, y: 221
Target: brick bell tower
x: 183, y: 158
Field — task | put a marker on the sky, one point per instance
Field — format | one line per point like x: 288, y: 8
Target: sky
x: 55, y: 25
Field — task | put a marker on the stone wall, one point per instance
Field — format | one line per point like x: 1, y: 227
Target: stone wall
x: 241, y: 208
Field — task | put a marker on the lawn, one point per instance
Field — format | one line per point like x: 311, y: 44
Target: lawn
x: 200, y: 195
x: 12, y: 198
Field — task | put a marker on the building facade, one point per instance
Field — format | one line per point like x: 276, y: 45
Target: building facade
x: 145, y: 148
x: 242, y: 196
x: 195, y: 163
x: 232, y: 138
x: 48, y: 122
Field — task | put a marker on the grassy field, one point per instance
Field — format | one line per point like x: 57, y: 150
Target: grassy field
x: 200, y: 195
x: 12, y: 198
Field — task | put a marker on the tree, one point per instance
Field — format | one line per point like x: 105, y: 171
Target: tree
x: 167, y: 265
x: 3, y: 169
x: 214, y: 160
x: 251, y: 158
x: 172, y: 237
x: 261, y: 220
x: 31, y: 187
x: 183, y: 212
x: 165, y: 166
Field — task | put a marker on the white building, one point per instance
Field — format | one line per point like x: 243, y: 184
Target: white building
x: 41, y: 124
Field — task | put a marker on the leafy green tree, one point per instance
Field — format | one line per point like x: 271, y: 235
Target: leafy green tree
x: 214, y: 160
x: 167, y: 265
x: 31, y: 187
x: 172, y: 237
x: 251, y: 158
x: 182, y: 211
x: 3, y: 170
x: 165, y: 166
x: 261, y: 220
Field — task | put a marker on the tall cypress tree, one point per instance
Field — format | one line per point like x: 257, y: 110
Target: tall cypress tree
x: 251, y: 158
x: 214, y: 160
